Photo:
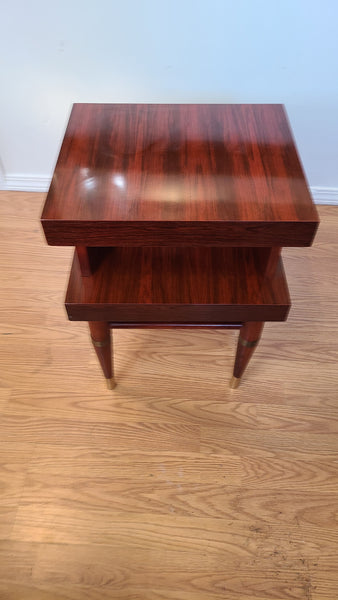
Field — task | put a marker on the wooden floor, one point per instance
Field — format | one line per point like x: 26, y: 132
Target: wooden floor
x: 171, y: 487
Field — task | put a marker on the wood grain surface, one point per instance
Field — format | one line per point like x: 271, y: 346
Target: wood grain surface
x: 179, y: 174
x: 172, y: 486
x: 166, y: 285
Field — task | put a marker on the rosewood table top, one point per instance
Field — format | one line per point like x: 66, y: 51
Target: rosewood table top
x: 179, y: 174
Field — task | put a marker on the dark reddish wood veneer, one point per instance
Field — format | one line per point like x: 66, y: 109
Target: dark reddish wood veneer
x: 145, y: 174
x: 176, y: 285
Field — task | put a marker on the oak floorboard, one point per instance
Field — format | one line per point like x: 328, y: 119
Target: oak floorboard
x: 218, y: 500
x: 269, y: 444
x: 171, y: 487
x: 140, y: 436
x: 211, y: 411
x: 177, y: 537
x: 63, y: 462
x: 61, y: 592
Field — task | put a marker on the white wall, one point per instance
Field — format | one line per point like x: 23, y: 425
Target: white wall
x: 54, y: 54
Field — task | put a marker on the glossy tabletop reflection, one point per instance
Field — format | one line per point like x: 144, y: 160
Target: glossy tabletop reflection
x: 215, y: 174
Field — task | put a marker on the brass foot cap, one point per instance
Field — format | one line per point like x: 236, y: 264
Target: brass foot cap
x: 110, y: 383
x: 234, y: 383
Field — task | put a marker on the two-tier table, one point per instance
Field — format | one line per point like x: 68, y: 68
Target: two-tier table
x: 178, y: 213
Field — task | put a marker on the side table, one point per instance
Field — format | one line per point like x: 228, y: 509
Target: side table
x: 178, y: 214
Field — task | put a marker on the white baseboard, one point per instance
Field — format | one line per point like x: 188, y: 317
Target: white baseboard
x: 40, y: 183
x: 26, y: 183
x: 325, y: 195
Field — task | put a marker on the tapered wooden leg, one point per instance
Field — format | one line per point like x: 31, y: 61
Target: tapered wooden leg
x: 101, y: 338
x: 249, y: 335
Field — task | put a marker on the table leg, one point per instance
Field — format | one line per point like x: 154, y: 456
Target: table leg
x: 272, y: 259
x: 249, y: 335
x: 101, y: 339
x: 83, y: 256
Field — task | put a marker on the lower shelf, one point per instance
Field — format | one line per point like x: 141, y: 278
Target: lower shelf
x: 181, y: 286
